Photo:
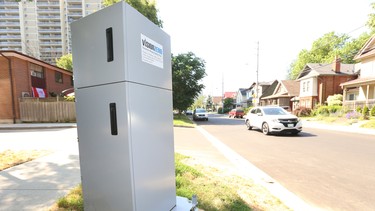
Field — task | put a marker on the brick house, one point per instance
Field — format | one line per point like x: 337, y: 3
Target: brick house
x: 318, y: 81
x: 24, y: 76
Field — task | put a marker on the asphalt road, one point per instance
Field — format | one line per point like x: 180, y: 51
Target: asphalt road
x: 329, y: 169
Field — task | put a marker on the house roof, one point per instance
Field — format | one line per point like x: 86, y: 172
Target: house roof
x: 11, y: 53
x: 359, y: 81
x: 290, y: 88
x: 242, y: 91
x: 264, y: 83
x: 367, y: 50
x: 269, y: 91
x: 318, y: 69
x: 230, y: 95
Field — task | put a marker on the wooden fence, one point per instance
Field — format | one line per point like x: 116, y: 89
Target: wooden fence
x: 46, y: 110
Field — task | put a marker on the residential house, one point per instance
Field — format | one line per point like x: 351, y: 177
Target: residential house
x: 241, y: 100
x: 231, y: 95
x: 361, y: 91
x: 217, y: 102
x: 283, y: 93
x: 318, y: 81
x: 24, y: 76
x: 256, y: 91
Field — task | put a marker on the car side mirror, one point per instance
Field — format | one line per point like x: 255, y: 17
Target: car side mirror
x: 259, y: 114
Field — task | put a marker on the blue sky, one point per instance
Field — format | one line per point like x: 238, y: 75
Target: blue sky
x: 225, y: 34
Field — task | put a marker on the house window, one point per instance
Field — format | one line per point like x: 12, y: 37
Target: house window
x: 351, y: 96
x: 36, y: 70
x: 58, y: 77
x: 307, y: 86
x: 304, y: 87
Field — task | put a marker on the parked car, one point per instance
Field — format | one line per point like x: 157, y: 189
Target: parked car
x: 236, y: 113
x: 273, y: 119
x: 200, y: 114
x: 189, y: 112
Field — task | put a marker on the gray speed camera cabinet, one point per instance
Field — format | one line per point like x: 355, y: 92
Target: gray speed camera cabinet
x: 123, y: 87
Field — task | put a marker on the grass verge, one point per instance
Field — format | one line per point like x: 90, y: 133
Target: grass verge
x: 369, y: 124
x: 182, y: 121
x: 9, y: 158
x: 214, y: 192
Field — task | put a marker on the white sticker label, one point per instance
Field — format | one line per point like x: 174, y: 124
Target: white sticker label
x: 152, y: 52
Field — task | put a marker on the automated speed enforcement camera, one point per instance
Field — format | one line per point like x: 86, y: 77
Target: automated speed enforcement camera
x: 123, y: 87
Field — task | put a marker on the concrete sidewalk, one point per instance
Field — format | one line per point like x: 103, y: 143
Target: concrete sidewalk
x: 36, y: 185
x: 21, y: 126
x: 355, y: 128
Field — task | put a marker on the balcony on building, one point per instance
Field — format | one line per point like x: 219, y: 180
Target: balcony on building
x: 48, y: 11
x: 11, y: 44
x: 9, y: 11
x: 51, y: 44
x: 10, y: 37
x: 47, y: 3
x: 10, y: 17
x: 48, y: 17
x: 75, y: 14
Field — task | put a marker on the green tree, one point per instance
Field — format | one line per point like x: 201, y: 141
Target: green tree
x: 209, y: 103
x: 187, y: 73
x: 199, y: 102
x: 323, y: 50
x: 371, y: 19
x: 228, y: 103
x: 145, y: 7
x: 326, y: 48
x: 65, y: 62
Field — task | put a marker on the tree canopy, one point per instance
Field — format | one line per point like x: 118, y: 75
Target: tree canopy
x: 145, y: 7
x: 330, y: 45
x: 325, y: 49
x: 187, y: 73
x: 65, y: 62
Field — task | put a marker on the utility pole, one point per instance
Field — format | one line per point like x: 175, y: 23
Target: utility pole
x: 222, y: 92
x: 256, y: 88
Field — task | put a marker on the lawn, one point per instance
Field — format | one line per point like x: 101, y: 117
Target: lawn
x: 216, y: 190
x: 182, y: 120
x: 9, y: 158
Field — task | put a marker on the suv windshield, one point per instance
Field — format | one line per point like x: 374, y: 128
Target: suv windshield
x: 200, y: 111
x: 274, y: 111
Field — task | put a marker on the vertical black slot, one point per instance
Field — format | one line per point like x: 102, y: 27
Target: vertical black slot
x: 113, y: 116
x: 109, y: 37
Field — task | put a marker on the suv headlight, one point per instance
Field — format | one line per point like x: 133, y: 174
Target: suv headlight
x: 275, y: 120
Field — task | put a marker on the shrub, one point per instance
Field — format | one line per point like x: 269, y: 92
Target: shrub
x: 372, y: 111
x: 302, y: 112
x: 359, y: 109
x: 334, y: 109
x: 334, y: 100
x: 365, y: 112
x: 322, y: 110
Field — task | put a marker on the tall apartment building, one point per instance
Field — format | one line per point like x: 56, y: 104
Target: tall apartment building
x: 41, y: 28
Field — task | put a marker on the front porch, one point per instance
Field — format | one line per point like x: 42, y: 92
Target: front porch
x: 354, y: 104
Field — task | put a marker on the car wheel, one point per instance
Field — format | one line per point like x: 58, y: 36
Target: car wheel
x: 265, y: 129
x: 248, y: 125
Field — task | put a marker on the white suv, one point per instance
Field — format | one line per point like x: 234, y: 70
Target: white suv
x: 199, y: 114
x: 273, y: 119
